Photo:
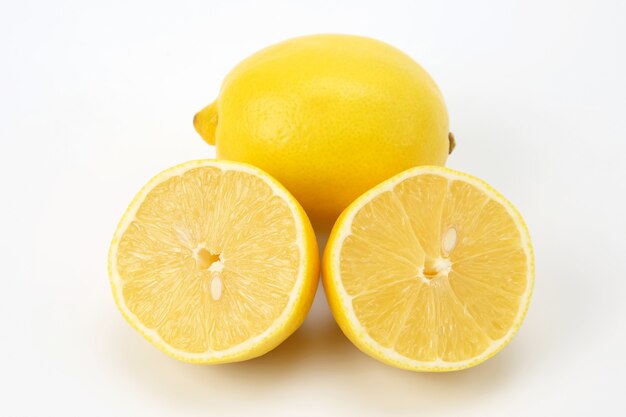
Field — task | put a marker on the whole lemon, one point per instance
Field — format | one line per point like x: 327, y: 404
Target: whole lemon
x: 329, y: 116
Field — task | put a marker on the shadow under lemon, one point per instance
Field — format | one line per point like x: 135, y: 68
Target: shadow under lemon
x: 319, y: 339
x: 316, y: 358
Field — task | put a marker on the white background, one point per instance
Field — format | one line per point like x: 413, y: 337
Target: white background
x: 96, y: 97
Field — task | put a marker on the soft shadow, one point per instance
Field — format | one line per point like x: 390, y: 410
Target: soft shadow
x: 388, y: 389
x: 317, y: 342
x: 317, y: 353
x: 315, y: 346
x: 311, y: 344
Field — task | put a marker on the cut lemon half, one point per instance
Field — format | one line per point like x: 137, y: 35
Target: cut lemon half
x: 431, y: 270
x: 214, y: 262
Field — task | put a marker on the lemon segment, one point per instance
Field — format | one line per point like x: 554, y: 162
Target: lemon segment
x: 431, y: 270
x: 214, y: 262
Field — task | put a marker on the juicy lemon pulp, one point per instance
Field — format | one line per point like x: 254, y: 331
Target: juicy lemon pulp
x: 211, y: 258
x: 430, y: 270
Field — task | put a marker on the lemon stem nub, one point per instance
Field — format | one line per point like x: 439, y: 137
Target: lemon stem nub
x: 452, y: 142
x: 205, y: 122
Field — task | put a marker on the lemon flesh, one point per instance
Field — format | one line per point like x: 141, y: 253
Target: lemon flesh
x: 431, y: 270
x: 214, y: 262
x: 330, y: 116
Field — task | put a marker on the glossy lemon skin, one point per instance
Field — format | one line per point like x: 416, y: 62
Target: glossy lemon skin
x: 329, y: 116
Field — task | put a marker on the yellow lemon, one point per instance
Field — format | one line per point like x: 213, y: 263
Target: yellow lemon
x: 329, y: 116
x: 431, y: 270
x: 214, y: 262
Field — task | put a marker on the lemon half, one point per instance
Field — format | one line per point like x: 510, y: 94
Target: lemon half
x: 214, y: 262
x: 431, y: 270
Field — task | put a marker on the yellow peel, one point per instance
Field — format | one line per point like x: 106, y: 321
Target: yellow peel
x: 205, y: 122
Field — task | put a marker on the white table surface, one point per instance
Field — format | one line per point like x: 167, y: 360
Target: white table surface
x: 96, y: 97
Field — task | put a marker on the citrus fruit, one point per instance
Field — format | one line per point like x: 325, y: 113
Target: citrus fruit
x: 329, y: 116
x: 214, y: 262
x: 431, y: 270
